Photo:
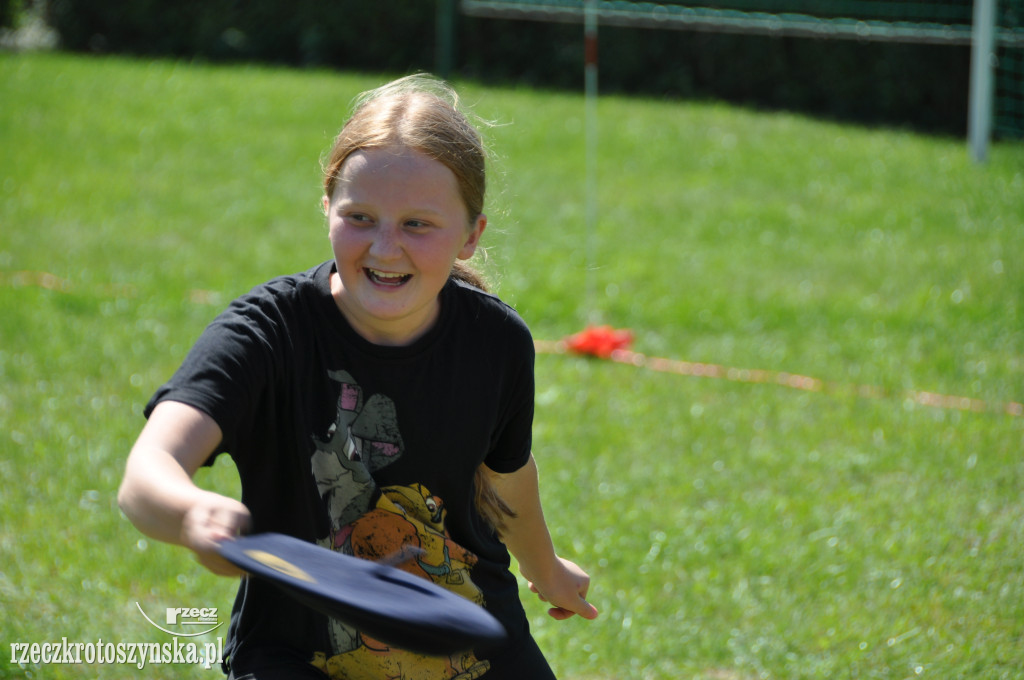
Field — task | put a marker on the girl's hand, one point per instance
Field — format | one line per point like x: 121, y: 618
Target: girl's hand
x: 209, y: 523
x: 565, y: 588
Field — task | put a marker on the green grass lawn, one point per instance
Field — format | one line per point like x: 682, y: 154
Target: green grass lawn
x: 734, y: 530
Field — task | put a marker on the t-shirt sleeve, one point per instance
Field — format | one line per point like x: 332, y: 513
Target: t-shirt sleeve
x: 513, y: 438
x: 228, y: 368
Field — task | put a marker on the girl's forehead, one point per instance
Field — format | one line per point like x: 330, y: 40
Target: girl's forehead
x: 398, y: 174
x: 390, y: 160
x: 392, y: 163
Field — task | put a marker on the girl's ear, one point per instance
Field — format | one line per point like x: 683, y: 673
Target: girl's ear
x: 473, y: 239
x: 326, y: 204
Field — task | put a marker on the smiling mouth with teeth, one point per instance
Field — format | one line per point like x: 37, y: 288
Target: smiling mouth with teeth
x: 386, y: 278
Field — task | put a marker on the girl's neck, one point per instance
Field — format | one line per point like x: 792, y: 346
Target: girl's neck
x: 386, y: 333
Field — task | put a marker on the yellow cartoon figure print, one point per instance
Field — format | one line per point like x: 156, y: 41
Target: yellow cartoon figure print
x: 410, y: 517
x: 408, y: 520
x: 379, y: 524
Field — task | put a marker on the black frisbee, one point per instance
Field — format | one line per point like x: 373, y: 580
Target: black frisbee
x: 386, y: 603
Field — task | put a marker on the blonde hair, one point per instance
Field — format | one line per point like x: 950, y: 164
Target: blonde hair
x: 423, y: 113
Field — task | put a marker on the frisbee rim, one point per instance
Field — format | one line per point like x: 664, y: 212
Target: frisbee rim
x: 412, y: 613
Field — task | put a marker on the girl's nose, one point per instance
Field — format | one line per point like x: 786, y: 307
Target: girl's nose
x: 386, y: 241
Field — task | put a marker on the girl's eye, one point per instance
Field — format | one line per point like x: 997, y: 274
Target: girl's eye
x: 416, y: 224
x: 359, y: 218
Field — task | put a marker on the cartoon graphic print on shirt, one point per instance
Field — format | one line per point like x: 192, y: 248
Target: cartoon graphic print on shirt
x: 379, y: 523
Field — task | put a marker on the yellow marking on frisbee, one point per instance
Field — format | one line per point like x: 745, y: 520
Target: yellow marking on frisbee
x: 278, y: 564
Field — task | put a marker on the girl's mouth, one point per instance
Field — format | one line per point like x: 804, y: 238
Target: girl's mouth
x: 386, y: 278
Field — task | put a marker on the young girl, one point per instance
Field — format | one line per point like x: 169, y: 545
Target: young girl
x: 379, y: 400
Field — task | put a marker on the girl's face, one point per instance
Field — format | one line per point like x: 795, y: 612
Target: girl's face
x: 397, y: 225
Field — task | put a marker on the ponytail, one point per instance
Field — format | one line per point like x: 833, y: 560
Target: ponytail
x: 463, y: 273
x: 491, y: 506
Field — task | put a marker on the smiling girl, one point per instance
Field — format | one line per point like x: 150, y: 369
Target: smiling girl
x: 378, y: 400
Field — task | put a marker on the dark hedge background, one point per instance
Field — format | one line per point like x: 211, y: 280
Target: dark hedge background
x: 919, y: 86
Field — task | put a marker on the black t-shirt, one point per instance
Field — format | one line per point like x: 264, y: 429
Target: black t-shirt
x: 365, y: 449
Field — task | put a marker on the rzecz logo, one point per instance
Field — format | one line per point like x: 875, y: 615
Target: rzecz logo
x: 188, y: 617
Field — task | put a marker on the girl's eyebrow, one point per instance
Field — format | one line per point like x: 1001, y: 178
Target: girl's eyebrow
x: 424, y: 211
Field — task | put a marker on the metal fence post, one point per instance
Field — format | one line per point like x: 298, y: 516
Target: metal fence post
x: 979, y: 112
x: 444, y: 48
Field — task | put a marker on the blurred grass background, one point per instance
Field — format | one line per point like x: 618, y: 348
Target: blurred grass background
x: 733, y: 530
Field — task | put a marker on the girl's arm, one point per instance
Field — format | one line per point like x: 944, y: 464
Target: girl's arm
x: 159, y: 497
x: 556, y: 580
